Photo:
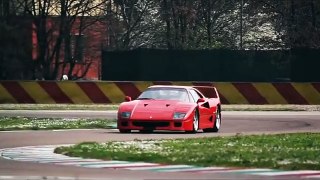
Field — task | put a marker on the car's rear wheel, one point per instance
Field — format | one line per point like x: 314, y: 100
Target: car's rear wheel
x: 124, y: 130
x: 195, y: 123
x: 217, y: 123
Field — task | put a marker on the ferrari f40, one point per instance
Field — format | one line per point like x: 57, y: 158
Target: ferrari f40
x: 172, y: 108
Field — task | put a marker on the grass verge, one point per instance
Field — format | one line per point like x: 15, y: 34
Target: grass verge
x: 23, y: 123
x: 283, y: 151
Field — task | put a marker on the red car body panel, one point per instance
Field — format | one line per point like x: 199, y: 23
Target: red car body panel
x: 157, y: 114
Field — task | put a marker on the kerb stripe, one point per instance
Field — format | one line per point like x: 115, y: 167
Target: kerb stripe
x: 74, y: 92
x: 270, y: 93
x: 222, y: 98
x: 307, y: 91
x: 55, y: 92
x: 93, y: 92
x: 112, y: 91
x: 290, y: 93
x: 14, y: 88
x: 38, y: 94
x: 250, y: 93
x: 316, y: 86
x: 142, y: 85
x: 230, y: 93
x: 129, y: 89
x: 5, y: 96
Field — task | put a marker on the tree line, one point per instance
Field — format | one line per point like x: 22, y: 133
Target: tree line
x: 212, y: 24
x: 158, y: 24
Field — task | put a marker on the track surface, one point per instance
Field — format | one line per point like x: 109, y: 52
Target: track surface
x: 233, y: 123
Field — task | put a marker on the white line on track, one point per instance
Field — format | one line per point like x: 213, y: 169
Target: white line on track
x: 161, y: 167
x: 91, y: 162
x: 316, y: 176
x: 187, y: 169
x: 45, y: 154
x: 282, y: 173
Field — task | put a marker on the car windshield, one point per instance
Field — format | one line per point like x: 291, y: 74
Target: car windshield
x: 178, y: 94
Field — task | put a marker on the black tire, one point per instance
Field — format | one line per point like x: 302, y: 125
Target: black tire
x: 124, y: 130
x: 217, y: 123
x: 195, y: 127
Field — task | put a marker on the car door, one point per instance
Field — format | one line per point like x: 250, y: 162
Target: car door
x: 204, y: 109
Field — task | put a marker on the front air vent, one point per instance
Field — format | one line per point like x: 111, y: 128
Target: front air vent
x: 124, y: 123
x: 151, y: 124
x: 177, y: 124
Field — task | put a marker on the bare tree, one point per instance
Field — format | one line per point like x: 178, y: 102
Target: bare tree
x: 55, y: 21
x: 295, y: 23
x: 133, y: 23
x: 14, y: 62
x: 200, y: 24
x: 217, y: 23
x: 177, y: 15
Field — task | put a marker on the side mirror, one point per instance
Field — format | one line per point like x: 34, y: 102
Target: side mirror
x: 201, y: 100
x: 127, y: 98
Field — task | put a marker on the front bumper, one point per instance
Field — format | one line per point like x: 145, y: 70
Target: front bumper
x: 171, y: 125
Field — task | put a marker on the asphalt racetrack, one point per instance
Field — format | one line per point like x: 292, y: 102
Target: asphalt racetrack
x: 233, y: 122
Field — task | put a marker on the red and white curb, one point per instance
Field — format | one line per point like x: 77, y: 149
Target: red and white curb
x: 45, y: 154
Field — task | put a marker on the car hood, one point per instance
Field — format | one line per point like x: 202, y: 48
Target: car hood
x: 156, y: 109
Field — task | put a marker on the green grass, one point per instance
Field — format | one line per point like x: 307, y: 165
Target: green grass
x: 283, y: 151
x: 22, y: 123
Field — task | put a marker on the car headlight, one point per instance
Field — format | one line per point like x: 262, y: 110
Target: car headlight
x: 125, y: 114
x: 179, y: 115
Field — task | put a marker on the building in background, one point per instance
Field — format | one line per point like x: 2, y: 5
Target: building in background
x: 43, y: 40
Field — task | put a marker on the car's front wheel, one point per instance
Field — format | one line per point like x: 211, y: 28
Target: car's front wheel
x: 217, y: 124
x: 195, y: 123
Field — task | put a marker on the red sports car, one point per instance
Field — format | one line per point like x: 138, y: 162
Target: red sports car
x: 174, y: 108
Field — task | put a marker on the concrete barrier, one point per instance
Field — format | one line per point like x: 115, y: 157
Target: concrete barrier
x: 106, y: 92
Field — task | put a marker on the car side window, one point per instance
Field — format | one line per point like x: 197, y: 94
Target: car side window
x: 195, y: 96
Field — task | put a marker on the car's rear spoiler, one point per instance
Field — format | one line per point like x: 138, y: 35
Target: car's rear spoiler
x: 208, y: 91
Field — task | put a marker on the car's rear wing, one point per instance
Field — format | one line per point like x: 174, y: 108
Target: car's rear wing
x: 208, y: 91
